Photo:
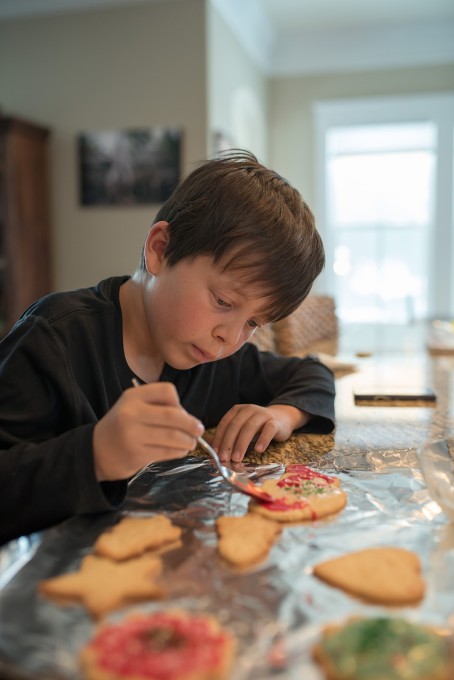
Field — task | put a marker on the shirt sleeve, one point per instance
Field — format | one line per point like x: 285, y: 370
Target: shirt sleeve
x: 46, y: 454
x: 265, y: 378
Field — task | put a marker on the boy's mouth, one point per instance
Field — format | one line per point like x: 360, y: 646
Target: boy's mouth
x: 202, y: 355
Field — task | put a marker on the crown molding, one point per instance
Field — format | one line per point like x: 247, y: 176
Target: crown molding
x: 406, y: 45
x: 292, y: 53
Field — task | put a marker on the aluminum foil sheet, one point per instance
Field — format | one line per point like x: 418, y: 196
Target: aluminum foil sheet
x: 276, y: 609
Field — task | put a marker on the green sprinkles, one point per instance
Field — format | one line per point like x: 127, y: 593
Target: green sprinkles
x: 373, y: 649
x: 306, y: 488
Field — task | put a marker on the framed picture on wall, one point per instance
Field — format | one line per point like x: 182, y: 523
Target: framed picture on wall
x: 129, y: 167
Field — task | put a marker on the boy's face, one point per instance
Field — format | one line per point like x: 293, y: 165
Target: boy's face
x: 197, y: 313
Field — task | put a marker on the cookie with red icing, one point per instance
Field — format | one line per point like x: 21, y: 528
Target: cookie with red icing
x: 165, y: 645
x: 301, y: 493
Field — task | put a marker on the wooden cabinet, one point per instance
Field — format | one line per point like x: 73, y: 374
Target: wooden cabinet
x: 25, y: 230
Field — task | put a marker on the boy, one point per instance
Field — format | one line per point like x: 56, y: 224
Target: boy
x: 234, y: 247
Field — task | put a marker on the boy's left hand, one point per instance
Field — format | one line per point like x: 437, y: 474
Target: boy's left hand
x: 247, y: 422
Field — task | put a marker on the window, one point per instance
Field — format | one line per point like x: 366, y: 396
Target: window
x: 385, y: 180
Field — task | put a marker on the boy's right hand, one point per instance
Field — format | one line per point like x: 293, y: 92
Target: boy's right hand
x: 147, y: 424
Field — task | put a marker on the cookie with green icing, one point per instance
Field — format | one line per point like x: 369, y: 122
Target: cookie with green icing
x: 384, y: 649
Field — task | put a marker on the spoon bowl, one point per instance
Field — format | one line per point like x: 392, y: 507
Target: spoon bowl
x: 238, y: 480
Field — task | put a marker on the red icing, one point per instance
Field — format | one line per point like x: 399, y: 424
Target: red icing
x: 296, y: 474
x: 284, y: 504
x: 127, y: 649
x: 281, y: 504
x: 305, y: 472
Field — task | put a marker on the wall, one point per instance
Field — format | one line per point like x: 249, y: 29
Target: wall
x: 107, y: 69
x: 237, y: 90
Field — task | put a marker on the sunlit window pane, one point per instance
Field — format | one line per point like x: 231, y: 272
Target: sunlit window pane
x: 381, y: 275
x: 393, y: 188
x: 380, y: 188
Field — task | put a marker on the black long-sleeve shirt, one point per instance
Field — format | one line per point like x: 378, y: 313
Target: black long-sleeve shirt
x: 62, y: 367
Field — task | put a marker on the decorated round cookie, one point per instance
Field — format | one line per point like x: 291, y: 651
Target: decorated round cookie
x: 171, y: 645
x: 384, y: 649
x: 301, y: 494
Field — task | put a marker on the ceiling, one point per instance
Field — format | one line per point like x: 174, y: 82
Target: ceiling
x: 287, y: 37
x: 291, y: 15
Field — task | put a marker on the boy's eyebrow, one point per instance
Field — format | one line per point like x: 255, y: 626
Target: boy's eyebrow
x: 241, y: 287
x: 264, y: 310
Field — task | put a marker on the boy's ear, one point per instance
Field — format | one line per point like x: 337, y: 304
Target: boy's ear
x: 155, y: 245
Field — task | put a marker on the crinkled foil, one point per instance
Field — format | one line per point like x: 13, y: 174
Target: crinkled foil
x: 276, y: 609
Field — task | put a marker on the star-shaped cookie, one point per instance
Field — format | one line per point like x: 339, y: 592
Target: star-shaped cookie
x: 102, y: 585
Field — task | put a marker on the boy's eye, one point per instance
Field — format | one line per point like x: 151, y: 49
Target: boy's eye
x: 222, y: 303
x: 252, y: 324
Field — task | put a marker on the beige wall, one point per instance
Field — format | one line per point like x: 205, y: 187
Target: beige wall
x: 237, y: 90
x: 96, y: 70
x: 292, y: 131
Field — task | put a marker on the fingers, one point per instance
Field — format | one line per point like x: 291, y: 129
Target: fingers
x: 147, y: 424
x: 158, y: 405
x: 153, y: 415
x: 242, y: 425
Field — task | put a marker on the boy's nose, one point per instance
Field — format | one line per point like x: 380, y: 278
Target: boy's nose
x: 230, y: 334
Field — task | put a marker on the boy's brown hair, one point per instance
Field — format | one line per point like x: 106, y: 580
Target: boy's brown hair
x: 253, y: 222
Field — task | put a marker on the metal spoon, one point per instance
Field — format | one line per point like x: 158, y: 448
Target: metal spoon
x: 236, y: 479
